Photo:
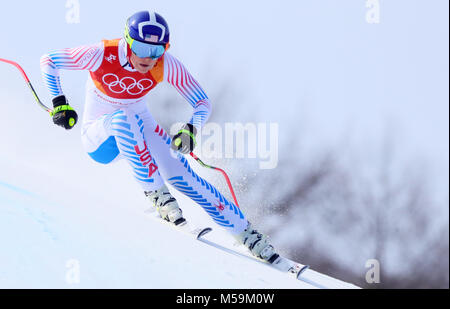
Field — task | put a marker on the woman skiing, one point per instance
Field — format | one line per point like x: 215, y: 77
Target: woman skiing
x: 117, y: 123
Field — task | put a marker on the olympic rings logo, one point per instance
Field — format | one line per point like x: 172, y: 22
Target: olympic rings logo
x: 128, y: 84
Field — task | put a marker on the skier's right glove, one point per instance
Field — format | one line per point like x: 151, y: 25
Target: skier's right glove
x: 63, y: 114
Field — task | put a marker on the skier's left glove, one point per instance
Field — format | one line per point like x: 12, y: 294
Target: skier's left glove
x: 184, y: 140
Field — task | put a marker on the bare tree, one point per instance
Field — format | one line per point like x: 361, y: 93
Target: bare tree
x: 390, y: 216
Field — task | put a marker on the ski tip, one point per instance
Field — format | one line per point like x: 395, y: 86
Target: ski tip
x: 203, y: 232
x: 302, y: 270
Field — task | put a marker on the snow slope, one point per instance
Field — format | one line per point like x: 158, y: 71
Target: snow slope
x: 48, y: 234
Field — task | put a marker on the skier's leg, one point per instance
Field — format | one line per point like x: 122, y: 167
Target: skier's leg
x: 120, y: 135
x: 177, y: 171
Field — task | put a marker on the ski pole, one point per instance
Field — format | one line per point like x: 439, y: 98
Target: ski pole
x: 220, y: 170
x: 48, y: 110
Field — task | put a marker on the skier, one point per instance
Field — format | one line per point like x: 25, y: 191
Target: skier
x: 117, y: 123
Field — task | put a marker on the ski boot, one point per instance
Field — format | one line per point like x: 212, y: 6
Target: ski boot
x: 166, y: 205
x: 257, y: 243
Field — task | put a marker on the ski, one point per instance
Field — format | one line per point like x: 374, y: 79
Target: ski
x: 182, y: 226
x: 286, y: 265
x: 281, y: 264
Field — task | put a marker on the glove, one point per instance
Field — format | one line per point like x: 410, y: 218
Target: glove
x: 184, y: 140
x: 63, y: 114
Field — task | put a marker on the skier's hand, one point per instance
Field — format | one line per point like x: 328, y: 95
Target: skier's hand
x: 63, y: 114
x: 184, y: 140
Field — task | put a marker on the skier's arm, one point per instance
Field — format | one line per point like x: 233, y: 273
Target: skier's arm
x: 79, y: 58
x: 178, y: 76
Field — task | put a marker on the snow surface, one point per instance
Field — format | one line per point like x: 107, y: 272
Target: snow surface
x: 47, y: 227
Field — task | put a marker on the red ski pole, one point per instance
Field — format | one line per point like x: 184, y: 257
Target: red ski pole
x: 48, y: 110
x: 220, y: 170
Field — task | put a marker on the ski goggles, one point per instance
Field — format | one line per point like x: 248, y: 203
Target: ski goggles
x: 145, y: 50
